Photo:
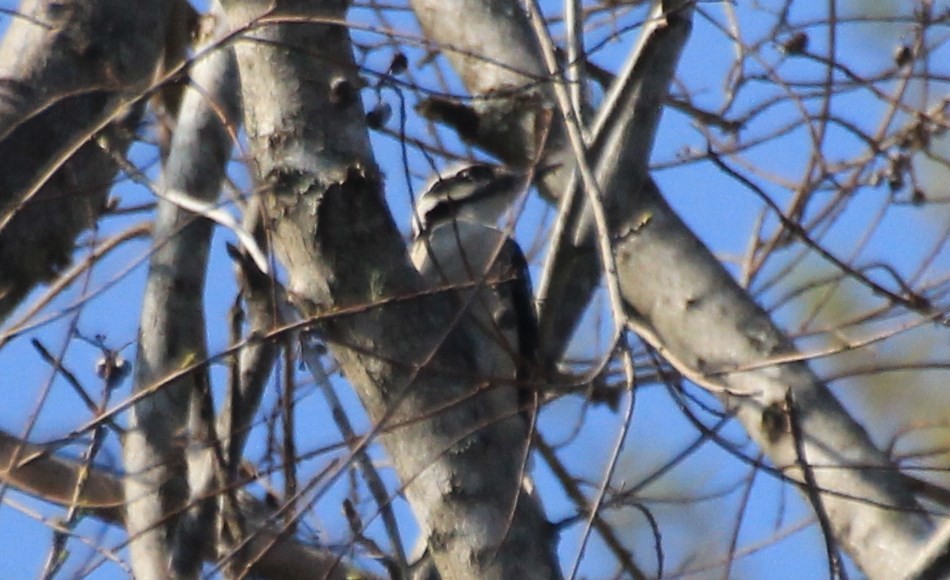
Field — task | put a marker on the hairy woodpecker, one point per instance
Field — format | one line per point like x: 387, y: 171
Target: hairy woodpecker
x: 457, y: 242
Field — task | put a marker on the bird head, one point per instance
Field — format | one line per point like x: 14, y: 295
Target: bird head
x: 479, y: 193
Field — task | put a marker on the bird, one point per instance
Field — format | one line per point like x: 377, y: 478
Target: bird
x: 457, y: 243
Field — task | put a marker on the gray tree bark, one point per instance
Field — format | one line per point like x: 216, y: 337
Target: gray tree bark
x: 69, y: 100
x: 35, y: 470
x: 67, y: 103
x: 170, y: 524
x: 348, y: 269
x: 685, y: 304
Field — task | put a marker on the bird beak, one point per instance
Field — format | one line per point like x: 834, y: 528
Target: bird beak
x: 541, y: 171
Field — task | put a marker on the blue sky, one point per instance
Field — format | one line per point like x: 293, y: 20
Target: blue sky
x: 721, y: 212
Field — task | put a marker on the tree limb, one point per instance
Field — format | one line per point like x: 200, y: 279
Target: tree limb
x: 40, y: 473
x: 457, y: 451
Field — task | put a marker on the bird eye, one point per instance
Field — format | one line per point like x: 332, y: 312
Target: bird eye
x: 477, y: 172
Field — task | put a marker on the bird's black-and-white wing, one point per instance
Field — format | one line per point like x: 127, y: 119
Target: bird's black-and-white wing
x: 491, y: 275
x: 458, y: 246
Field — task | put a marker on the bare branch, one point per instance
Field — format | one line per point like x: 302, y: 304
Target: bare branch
x: 55, y: 96
x: 39, y: 473
x: 322, y: 195
x: 674, y: 285
x: 173, y: 334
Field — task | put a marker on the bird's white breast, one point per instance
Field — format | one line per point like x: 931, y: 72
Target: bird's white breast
x: 473, y: 255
